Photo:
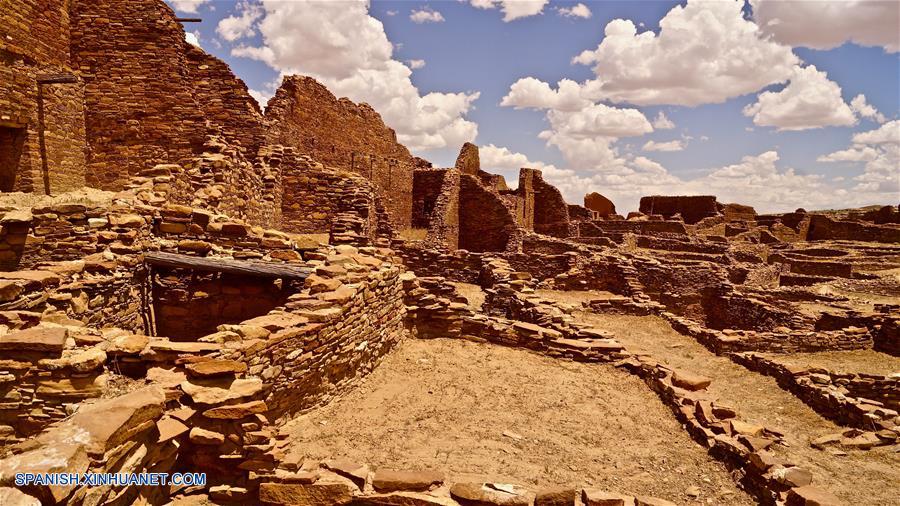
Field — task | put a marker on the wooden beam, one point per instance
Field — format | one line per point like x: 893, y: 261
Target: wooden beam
x: 57, y: 79
x: 231, y: 266
x: 188, y: 20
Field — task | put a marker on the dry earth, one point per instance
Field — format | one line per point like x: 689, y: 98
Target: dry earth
x: 859, y: 478
x: 486, y: 412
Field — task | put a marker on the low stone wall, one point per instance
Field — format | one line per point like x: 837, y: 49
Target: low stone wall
x: 327, y: 336
x: 824, y: 228
x: 436, y: 312
x: 859, y: 400
x: 341, y: 482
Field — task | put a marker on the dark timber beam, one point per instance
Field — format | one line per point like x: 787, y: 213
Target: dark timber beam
x: 228, y: 265
x: 56, y: 79
x: 188, y: 20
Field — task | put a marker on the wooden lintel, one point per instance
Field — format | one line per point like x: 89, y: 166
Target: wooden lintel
x: 188, y: 20
x: 57, y: 79
x: 228, y: 265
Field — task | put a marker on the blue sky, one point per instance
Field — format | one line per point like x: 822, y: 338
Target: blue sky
x: 439, y: 71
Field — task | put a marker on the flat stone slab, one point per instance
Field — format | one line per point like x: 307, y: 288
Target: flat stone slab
x: 490, y: 494
x: 403, y: 499
x: 236, y: 411
x: 215, y: 368
x: 217, y: 391
x: 690, y: 381
x: 387, y: 480
x: 41, y: 339
x: 592, y: 497
x: 316, y: 494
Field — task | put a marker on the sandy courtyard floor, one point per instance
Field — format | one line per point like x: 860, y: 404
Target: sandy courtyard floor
x: 486, y: 412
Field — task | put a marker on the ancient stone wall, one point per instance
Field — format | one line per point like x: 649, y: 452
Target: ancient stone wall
x: 426, y: 190
x: 691, y: 208
x: 329, y: 335
x: 139, y: 104
x: 551, y: 213
x: 225, y: 101
x: 348, y: 136
x: 824, y: 228
x: 34, y: 44
x: 439, y: 193
x: 485, y: 224
x: 315, y: 196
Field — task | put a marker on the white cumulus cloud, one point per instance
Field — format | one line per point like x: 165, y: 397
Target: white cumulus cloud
x: 513, y: 9
x: 675, y: 145
x: 879, y: 152
x: 866, y: 110
x: 426, y: 15
x: 828, y: 24
x: 239, y: 26
x: 706, y: 52
x: 810, y: 100
x: 188, y: 6
x: 193, y: 38
x: 661, y: 122
x: 415, y: 64
x: 576, y: 11
x: 342, y: 46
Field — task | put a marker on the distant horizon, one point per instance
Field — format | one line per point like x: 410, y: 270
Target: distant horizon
x: 776, y: 105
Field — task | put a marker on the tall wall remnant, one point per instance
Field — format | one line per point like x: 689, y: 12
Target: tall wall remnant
x: 41, y: 124
x: 345, y: 135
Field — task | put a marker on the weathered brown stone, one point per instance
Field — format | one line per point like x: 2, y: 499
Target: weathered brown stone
x: 107, y: 424
x: 40, y: 339
x: 811, y: 496
x: 490, y: 494
x: 201, y: 436
x: 170, y: 428
x: 386, y: 480
x: 592, y: 497
x: 316, y: 494
x: 690, y: 381
x: 560, y: 496
x: 14, y: 497
x: 236, y: 411
x: 57, y: 456
x: 215, y: 368
x: 599, y: 204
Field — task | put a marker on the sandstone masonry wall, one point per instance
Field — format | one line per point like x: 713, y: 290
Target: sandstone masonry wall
x: 34, y: 43
x: 139, y: 106
x: 348, y: 136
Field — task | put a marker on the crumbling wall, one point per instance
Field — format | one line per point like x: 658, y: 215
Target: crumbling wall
x: 551, y: 213
x: 315, y: 195
x: 822, y: 227
x: 691, y: 208
x: 348, y: 136
x: 485, y: 224
x: 34, y: 44
x: 436, y: 206
x: 225, y: 101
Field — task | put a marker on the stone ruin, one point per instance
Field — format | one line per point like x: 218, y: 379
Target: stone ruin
x: 245, y: 267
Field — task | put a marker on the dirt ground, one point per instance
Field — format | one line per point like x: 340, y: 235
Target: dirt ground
x: 485, y: 412
x: 473, y: 293
x: 856, y: 361
x: 859, y: 478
